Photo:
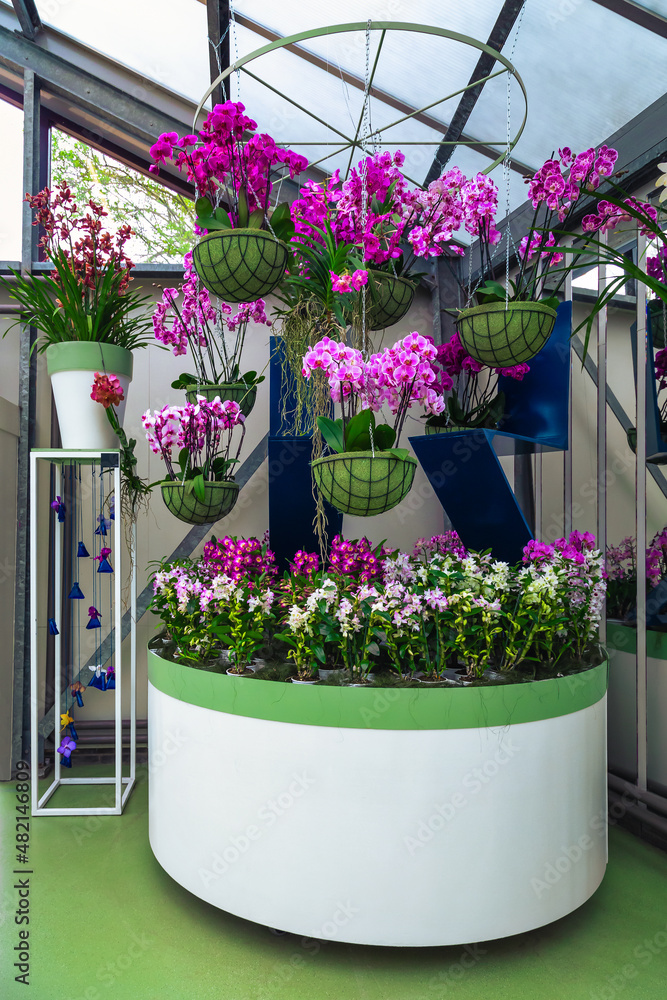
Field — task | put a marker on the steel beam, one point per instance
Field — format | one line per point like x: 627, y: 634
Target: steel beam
x: 218, y: 41
x: 499, y: 34
x: 29, y: 19
x: 27, y: 420
x: 631, y: 11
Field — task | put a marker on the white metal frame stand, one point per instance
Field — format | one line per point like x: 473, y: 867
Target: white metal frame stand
x: 123, y: 785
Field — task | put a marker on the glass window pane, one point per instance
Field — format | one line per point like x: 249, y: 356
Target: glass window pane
x: 11, y: 178
x: 161, y: 218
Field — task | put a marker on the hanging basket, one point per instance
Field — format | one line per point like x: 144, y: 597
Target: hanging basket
x: 240, y: 265
x: 364, y: 484
x: 449, y: 429
x: 220, y: 500
x: 394, y: 296
x: 236, y: 391
x: 501, y: 337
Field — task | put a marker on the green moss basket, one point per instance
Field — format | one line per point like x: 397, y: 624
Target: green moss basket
x: 360, y: 483
x: 240, y: 265
x: 220, y: 500
x: 395, y: 297
x: 449, y: 429
x: 236, y: 391
x: 501, y: 337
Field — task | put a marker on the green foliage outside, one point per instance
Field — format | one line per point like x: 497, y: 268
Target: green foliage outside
x: 162, y: 219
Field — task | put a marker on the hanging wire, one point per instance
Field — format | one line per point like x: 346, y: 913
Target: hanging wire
x: 507, y: 163
x: 365, y: 135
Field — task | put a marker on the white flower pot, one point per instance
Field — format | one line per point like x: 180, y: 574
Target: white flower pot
x: 83, y: 422
x: 487, y: 806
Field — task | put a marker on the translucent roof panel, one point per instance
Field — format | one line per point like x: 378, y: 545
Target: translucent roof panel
x: 578, y: 98
x: 402, y: 68
x: 278, y: 87
x: 164, y: 40
x: 290, y: 18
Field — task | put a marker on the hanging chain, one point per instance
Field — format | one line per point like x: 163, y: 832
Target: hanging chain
x: 507, y: 163
x: 365, y: 136
x: 235, y: 37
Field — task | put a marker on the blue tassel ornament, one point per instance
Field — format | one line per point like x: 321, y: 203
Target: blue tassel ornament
x: 96, y: 681
x: 53, y: 628
x: 76, y: 593
x: 82, y: 552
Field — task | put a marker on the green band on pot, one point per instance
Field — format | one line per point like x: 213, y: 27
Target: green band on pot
x: 379, y: 708
x: 88, y: 355
x: 623, y: 638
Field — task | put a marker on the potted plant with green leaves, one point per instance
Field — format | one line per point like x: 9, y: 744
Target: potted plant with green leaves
x: 506, y: 325
x: 366, y: 472
x: 88, y: 319
x: 242, y: 252
x: 200, y: 487
x: 473, y: 397
x: 186, y: 320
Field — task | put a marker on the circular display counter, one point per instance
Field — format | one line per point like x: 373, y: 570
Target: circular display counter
x: 397, y: 817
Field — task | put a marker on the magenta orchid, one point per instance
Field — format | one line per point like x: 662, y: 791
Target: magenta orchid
x: 228, y: 159
x: 202, y: 432
x: 396, y: 377
x: 186, y: 319
x: 475, y: 400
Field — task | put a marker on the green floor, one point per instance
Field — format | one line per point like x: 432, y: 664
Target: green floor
x: 106, y: 921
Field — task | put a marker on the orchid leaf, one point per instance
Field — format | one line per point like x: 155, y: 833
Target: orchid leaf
x: 332, y: 432
x: 384, y: 436
x: 357, y: 431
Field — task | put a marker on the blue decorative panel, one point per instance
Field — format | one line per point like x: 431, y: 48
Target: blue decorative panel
x: 537, y: 407
x: 656, y: 446
x: 291, y: 501
x: 468, y: 479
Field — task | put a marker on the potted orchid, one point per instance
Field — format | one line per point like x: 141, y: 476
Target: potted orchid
x: 88, y: 318
x: 507, y: 325
x: 366, y: 472
x: 473, y: 398
x: 357, y: 243
x: 242, y: 254
x: 186, y: 320
x: 200, y: 488
x: 440, y: 614
x: 621, y: 567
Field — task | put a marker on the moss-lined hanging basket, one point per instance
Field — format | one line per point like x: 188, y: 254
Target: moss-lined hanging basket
x: 238, y: 392
x: 220, y: 500
x: 240, y: 265
x: 501, y: 337
x: 363, y: 483
x: 449, y: 429
x: 394, y: 298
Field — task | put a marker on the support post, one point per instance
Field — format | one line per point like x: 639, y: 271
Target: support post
x: 642, y: 673
x: 27, y: 399
x: 602, y: 427
x: 218, y: 41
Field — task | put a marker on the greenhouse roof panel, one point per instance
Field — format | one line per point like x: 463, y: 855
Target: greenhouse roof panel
x: 166, y: 41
